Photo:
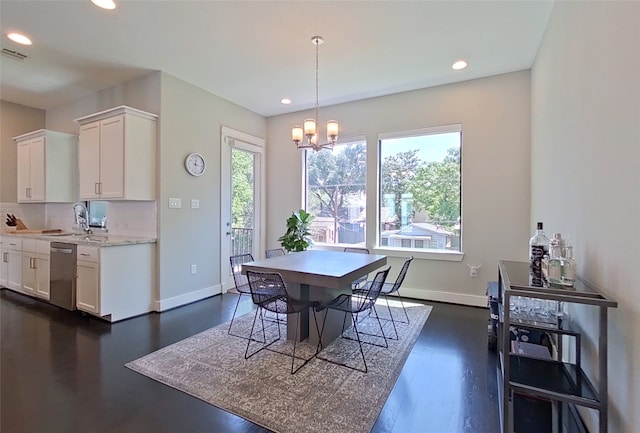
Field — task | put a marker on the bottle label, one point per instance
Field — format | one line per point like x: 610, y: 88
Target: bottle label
x: 535, y: 264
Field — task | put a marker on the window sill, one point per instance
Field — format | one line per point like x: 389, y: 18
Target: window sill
x: 448, y: 256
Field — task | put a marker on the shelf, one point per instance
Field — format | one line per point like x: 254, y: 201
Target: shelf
x: 553, y: 379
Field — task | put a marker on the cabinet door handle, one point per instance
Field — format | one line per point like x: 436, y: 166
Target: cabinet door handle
x: 5, y: 258
x: 85, y: 254
x: 28, y: 192
x: 100, y: 188
x: 95, y: 188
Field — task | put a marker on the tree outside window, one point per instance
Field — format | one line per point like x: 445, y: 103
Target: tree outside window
x: 420, y: 187
x: 336, y: 193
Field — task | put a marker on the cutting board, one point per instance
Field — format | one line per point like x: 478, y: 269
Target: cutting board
x: 33, y: 231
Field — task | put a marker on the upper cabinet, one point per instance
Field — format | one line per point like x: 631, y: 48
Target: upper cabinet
x: 117, y: 155
x: 46, y: 167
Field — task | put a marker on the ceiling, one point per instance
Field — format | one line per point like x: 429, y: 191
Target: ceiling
x: 254, y: 53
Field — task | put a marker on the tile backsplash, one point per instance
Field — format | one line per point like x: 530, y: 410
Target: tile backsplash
x: 124, y: 218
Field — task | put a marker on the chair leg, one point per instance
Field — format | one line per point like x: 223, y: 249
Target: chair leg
x: 264, y: 336
x: 393, y: 322
x: 235, y: 310
x: 355, y: 328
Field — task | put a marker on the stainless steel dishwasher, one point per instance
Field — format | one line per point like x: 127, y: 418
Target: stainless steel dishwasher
x: 63, y: 275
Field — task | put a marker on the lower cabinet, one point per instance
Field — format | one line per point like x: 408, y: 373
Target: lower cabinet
x: 35, y: 268
x: 116, y: 282
x: 88, y: 281
x: 11, y: 263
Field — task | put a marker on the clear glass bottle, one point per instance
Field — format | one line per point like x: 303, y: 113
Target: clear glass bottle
x: 555, y: 265
x: 557, y: 240
x: 538, y: 248
x: 568, y: 266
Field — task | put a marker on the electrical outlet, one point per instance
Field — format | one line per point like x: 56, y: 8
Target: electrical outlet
x: 195, y: 203
x: 175, y: 203
x: 473, y: 270
x: 194, y: 269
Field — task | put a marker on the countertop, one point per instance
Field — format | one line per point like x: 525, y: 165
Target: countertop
x: 96, y: 239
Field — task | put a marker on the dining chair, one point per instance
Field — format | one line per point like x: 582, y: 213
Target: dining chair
x: 362, y: 280
x: 275, y: 252
x: 269, y: 293
x: 358, y: 301
x: 394, y: 288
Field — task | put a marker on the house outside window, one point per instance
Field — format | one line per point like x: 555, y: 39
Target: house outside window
x: 420, y: 189
x: 336, y: 193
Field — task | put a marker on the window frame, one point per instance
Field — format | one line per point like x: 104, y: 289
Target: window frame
x: 425, y: 253
x: 342, y: 141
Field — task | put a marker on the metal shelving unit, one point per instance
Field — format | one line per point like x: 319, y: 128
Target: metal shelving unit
x: 565, y: 384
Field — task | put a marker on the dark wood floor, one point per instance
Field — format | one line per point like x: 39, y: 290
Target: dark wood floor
x: 64, y: 372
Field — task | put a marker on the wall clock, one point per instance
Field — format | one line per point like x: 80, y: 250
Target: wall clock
x: 195, y: 164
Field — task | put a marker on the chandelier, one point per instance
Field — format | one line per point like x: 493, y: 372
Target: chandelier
x: 309, y: 130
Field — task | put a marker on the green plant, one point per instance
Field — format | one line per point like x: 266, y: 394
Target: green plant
x: 297, y: 237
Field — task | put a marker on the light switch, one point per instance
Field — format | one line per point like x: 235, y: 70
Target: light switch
x: 195, y: 203
x: 175, y: 203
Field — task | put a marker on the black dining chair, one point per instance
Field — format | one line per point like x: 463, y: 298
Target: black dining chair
x: 362, y: 280
x: 359, y: 301
x: 269, y: 293
x: 275, y: 252
x: 394, y: 288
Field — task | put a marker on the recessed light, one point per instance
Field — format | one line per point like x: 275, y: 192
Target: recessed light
x: 460, y: 64
x: 285, y: 101
x: 19, y: 39
x: 104, y: 4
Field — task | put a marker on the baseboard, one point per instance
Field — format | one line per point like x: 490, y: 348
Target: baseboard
x: 449, y: 297
x: 187, y: 298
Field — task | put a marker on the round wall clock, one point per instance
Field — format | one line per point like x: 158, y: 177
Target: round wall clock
x: 195, y: 164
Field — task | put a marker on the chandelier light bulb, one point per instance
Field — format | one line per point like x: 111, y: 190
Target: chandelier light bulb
x: 297, y: 134
x: 309, y: 127
x: 332, y: 131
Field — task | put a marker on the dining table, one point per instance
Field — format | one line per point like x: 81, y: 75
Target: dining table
x: 318, y: 275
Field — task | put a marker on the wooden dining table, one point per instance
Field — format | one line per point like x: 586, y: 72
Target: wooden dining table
x: 318, y: 275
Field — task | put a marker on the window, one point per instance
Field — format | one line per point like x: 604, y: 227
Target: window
x: 97, y: 213
x: 336, y: 193
x: 420, y: 185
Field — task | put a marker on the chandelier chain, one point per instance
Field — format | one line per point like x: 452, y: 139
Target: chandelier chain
x: 317, y: 44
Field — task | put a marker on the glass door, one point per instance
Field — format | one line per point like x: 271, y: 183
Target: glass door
x: 242, y: 210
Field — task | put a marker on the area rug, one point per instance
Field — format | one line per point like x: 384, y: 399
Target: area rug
x: 321, y: 397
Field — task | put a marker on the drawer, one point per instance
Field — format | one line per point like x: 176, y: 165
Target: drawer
x: 88, y: 254
x: 13, y: 244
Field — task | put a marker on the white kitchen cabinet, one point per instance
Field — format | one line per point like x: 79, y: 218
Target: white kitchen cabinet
x: 35, y: 268
x: 4, y: 264
x: 46, y: 166
x: 117, y: 155
x: 11, y: 269
x: 116, y: 282
x: 88, y: 281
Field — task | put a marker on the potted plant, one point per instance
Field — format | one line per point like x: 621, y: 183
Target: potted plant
x: 297, y: 237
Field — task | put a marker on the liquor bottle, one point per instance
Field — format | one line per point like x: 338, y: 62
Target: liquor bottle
x: 538, y: 247
x: 568, y: 267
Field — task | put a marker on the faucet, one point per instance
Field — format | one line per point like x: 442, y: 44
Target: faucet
x: 81, y: 216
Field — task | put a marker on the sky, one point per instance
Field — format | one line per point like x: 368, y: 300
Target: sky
x: 432, y: 147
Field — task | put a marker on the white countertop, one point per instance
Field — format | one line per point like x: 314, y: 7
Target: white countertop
x: 98, y: 240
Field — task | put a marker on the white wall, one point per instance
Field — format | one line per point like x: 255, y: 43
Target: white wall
x: 495, y: 114
x: 191, y: 121
x: 15, y: 120
x: 585, y: 177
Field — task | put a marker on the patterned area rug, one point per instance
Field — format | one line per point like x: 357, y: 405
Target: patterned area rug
x: 321, y: 397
